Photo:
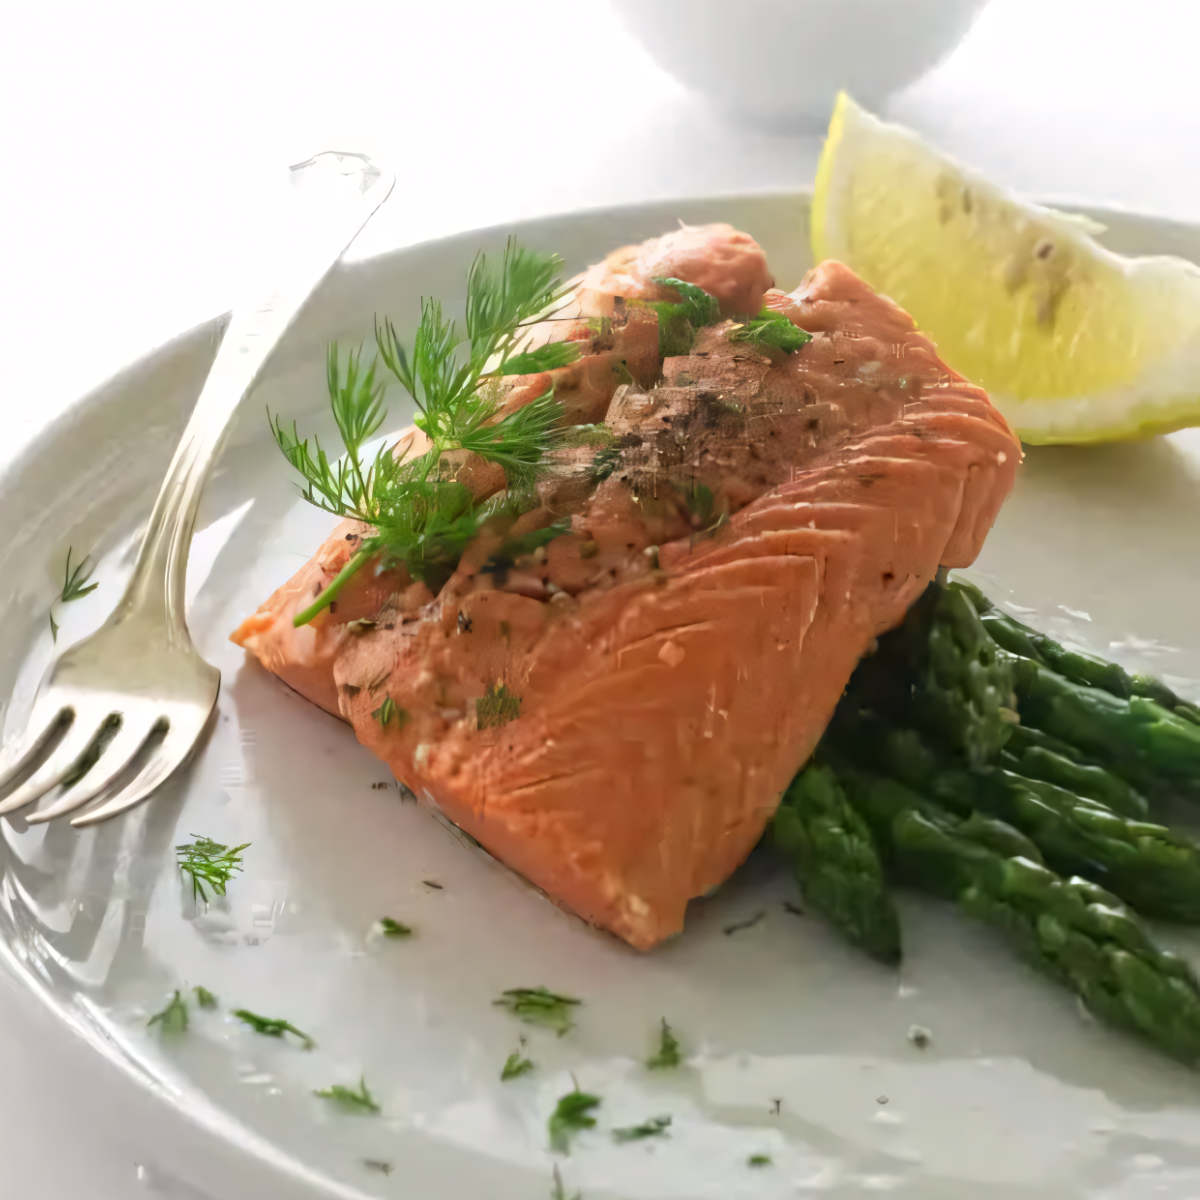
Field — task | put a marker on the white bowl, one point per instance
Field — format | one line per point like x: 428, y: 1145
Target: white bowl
x: 783, y: 61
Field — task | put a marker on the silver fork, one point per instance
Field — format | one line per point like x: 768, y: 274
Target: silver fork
x: 139, y: 674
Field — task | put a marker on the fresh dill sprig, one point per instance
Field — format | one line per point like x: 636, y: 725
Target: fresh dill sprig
x: 771, y: 328
x: 392, y: 928
x: 679, y: 320
x: 422, y: 517
x: 539, y: 1006
x: 354, y: 1100
x: 667, y: 1055
x: 696, y: 306
x: 516, y: 1064
x: 204, y: 998
x: 571, y: 1114
x: 75, y: 585
x: 651, y: 1127
x: 545, y: 358
x: 174, y: 1017
x: 273, y: 1027
x: 209, y: 864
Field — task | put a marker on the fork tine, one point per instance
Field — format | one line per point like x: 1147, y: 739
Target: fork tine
x: 114, y: 759
x: 62, y: 758
x: 19, y: 753
x: 147, y: 780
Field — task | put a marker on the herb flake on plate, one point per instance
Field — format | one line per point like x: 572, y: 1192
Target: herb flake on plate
x: 173, y: 1018
x: 539, y: 1006
x: 357, y: 1100
x: 209, y: 864
x: 572, y: 1113
x: 274, y: 1027
x: 667, y: 1055
x: 391, y: 928
x: 649, y: 1128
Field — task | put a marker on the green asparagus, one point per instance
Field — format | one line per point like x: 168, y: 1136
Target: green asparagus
x: 1075, y: 665
x: 1074, y: 929
x: 836, y: 863
x: 942, y: 671
x: 1148, y: 865
x: 1037, y: 755
x: 963, y: 692
x: 1136, y: 736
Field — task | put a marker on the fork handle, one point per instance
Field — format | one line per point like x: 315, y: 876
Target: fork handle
x: 334, y: 195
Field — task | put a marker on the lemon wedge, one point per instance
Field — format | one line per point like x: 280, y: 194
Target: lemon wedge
x: 1073, y: 342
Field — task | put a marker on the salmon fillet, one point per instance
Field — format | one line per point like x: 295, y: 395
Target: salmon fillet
x: 723, y: 260
x: 616, y: 715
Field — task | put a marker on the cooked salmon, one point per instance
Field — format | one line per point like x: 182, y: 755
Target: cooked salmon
x: 724, y: 261
x: 617, y: 714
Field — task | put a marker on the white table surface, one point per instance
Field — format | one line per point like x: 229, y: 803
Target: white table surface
x: 139, y: 140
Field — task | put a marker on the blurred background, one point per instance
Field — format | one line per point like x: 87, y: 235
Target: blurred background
x: 139, y: 136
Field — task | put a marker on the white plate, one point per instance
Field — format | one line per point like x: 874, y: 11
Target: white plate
x: 797, y: 1045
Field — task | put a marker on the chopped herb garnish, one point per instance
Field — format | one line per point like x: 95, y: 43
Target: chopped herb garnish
x: 394, y: 929
x: 515, y: 1065
x: 389, y: 713
x: 748, y: 923
x: 667, y: 1055
x: 651, y: 1127
x: 571, y: 1114
x: 423, y: 518
x: 679, y: 320
x: 558, y: 1191
x: 355, y: 1100
x: 773, y: 329
x: 433, y: 883
x: 539, y: 1006
x: 759, y: 1160
x: 205, y: 998
x: 545, y: 358
x: 497, y: 706
x: 378, y: 1164
x: 794, y: 909
x: 273, y: 1027
x: 210, y: 864
x: 174, y: 1017
x: 75, y: 585
x: 696, y: 306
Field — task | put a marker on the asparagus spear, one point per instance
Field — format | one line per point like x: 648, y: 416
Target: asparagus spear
x: 1148, y: 865
x: 1037, y: 755
x: 1137, y: 736
x: 964, y: 692
x: 836, y: 863
x: 1074, y: 929
x: 942, y: 671
x: 1075, y: 665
